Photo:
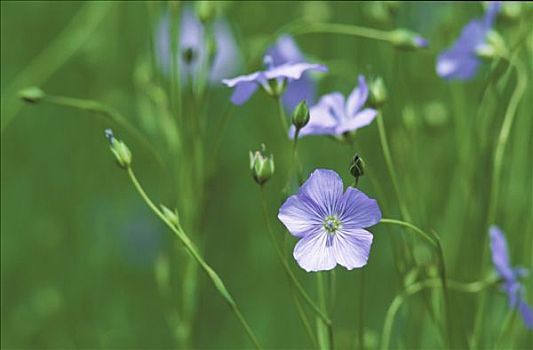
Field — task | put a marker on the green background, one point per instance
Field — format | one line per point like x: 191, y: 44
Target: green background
x: 79, y: 247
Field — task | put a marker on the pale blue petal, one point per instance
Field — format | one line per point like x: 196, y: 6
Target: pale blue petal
x: 324, y: 188
x: 352, y: 247
x: 363, y: 118
x: 300, y: 215
x: 357, y: 98
x: 500, y: 253
x: 314, y: 252
x: 357, y: 210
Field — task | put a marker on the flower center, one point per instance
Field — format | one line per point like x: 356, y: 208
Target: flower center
x: 332, y: 224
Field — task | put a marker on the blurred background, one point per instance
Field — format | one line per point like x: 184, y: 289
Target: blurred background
x: 85, y: 264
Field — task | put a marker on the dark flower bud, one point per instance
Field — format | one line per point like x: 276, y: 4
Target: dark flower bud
x: 32, y: 94
x: 377, y: 93
x: 262, y: 166
x: 189, y: 55
x: 121, y: 152
x: 357, y: 167
x: 408, y: 40
x: 300, y: 115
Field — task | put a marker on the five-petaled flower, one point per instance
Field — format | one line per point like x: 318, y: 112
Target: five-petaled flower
x: 461, y: 61
x: 510, y: 275
x: 273, y: 79
x: 193, y: 48
x: 284, y: 51
x: 335, y: 115
x: 329, y: 223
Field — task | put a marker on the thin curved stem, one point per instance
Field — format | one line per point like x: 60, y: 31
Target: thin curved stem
x: 497, y: 165
x: 503, y: 136
x: 434, y: 240
x: 474, y: 287
x: 282, y: 116
x: 108, y: 113
x: 191, y: 248
x: 285, y: 264
x: 415, y: 229
x: 337, y: 28
x: 74, y: 35
x: 390, y: 166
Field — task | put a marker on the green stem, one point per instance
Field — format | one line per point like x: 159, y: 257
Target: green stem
x: 415, y: 229
x: 74, y: 35
x: 497, y: 165
x: 360, y: 323
x: 282, y: 116
x: 474, y: 287
x: 505, y: 328
x: 191, y: 248
x: 390, y: 166
x: 322, y: 315
x: 434, y: 240
x: 503, y: 137
x: 108, y: 113
x: 337, y: 28
x: 325, y: 331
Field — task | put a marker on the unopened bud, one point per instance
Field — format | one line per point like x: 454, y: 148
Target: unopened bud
x: 189, y: 55
x: 300, y: 115
x: 32, y: 94
x: 377, y: 93
x: 120, y: 150
x: 171, y: 216
x: 262, y: 166
x: 206, y: 11
x: 357, y: 167
x: 493, y: 47
x: 408, y: 40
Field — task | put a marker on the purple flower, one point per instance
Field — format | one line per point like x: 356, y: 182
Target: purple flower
x: 510, y: 275
x: 333, y: 115
x: 284, y: 51
x: 272, y: 79
x: 193, y: 43
x: 461, y: 61
x: 329, y: 223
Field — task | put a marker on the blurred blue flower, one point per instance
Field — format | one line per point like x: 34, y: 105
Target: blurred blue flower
x: 284, y: 51
x: 510, y: 275
x: 333, y: 115
x: 193, y: 50
x: 329, y: 223
x: 273, y: 79
x: 461, y: 61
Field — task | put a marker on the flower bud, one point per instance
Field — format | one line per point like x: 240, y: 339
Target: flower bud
x: 206, y: 11
x: 189, y: 55
x: 493, y: 47
x: 300, y: 115
x: 357, y: 167
x: 120, y: 150
x: 262, y: 166
x: 171, y: 216
x: 32, y: 94
x: 377, y: 93
x: 408, y: 40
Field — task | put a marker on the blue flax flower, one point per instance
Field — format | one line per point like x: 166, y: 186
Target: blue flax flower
x: 284, y: 51
x: 329, y: 223
x: 335, y: 115
x: 461, y: 60
x: 271, y: 79
x: 510, y: 275
x: 193, y: 42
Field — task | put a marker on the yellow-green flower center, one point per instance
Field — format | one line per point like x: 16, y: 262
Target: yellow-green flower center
x: 332, y: 224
